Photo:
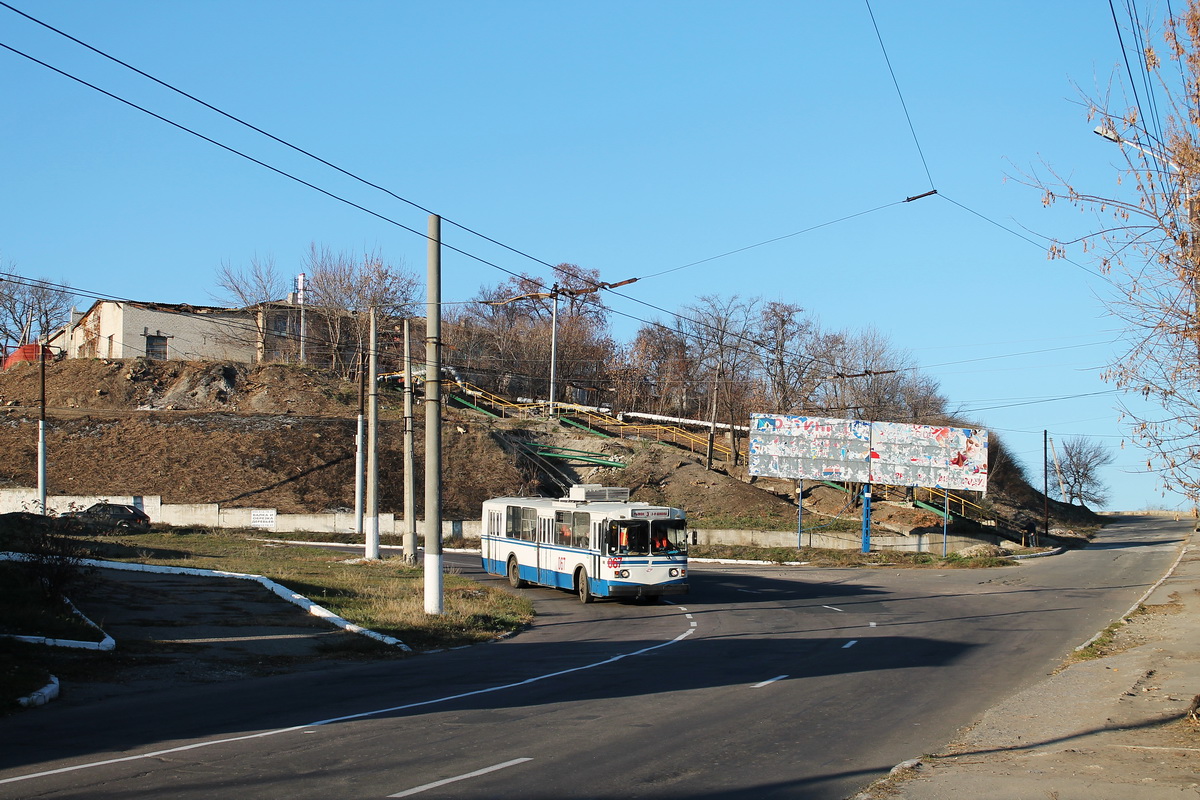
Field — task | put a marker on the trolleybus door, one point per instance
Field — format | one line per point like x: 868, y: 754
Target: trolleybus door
x: 597, y: 547
x: 545, y: 530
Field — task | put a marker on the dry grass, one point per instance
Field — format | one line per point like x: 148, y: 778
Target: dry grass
x: 385, y: 596
x: 819, y: 557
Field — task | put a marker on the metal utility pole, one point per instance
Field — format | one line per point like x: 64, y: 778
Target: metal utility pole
x: 410, y: 478
x: 41, y: 445
x: 1045, y: 485
x: 372, y: 521
x: 866, y: 518
x: 554, y: 293
x: 359, y: 444
x: 553, y: 346
x: 433, y: 420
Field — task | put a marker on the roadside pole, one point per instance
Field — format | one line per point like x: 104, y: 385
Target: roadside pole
x: 359, y: 445
x: 372, y: 521
x: 41, y: 443
x: 433, y: 420
x: 866, y: 519
x: 945, y: 518
x: 410, y: 478
x: 799, y: 513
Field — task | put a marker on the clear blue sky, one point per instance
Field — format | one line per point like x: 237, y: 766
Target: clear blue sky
x: 627, y: 137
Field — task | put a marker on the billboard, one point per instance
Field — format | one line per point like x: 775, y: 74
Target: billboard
x: 819, y: 448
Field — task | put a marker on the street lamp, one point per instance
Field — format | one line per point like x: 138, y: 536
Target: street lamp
x: 555, y: 292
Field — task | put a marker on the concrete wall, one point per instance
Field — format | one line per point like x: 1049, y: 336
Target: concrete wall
x: 843, y: 540
x: 213, y: 516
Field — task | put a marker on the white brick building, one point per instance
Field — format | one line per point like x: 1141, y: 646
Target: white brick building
x: 162, y: 331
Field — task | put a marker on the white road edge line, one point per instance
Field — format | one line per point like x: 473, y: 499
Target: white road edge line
x: 768, y: 682
x: 361, y: 715
x: 831, y: 608
x: 850, y: 643
x: 475, y: 774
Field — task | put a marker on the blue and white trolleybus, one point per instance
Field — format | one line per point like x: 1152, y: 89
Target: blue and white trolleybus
x: 594, y: 542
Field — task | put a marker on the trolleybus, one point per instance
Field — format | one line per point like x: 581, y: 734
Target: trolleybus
x: 593, y: 542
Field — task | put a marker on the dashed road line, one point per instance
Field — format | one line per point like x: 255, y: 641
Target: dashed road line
x: 456, y: 778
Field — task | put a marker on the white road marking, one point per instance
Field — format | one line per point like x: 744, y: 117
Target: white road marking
x: 831, y: 608
x: 689, y: 616
x: 348, y: 717
x: 767, y: 682
x: 475, y: 774
x: 872, y: 624
x: 850, y: 643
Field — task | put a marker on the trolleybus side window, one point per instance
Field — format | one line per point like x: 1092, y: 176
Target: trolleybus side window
x: 581, y: 523
x: 520, y: 523
x: 571, y: 528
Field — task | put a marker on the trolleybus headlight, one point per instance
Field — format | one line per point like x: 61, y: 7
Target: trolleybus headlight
x: 674, y: 572
x: 623, y: 573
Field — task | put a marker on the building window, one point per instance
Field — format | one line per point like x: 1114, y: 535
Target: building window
x: 156, y: 347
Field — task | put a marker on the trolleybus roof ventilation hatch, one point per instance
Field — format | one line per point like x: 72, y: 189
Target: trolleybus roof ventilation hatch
x: 591, y: 492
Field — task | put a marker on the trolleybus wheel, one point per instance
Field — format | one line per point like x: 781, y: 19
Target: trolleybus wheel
x: 514, y: 573
x: 581, y: 584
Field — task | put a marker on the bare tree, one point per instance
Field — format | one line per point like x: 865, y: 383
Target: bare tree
x: 1146, y: 243
x: 1079, y: 467
x: 30, y: 307
x: 342, y: 288
x: 253, y: 287
x: 504, y: 334
x: 790, y: 365
x: 870, y: 378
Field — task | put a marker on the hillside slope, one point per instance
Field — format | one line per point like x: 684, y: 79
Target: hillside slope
x: 283, y: 436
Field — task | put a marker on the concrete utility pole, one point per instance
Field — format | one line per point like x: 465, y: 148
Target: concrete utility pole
x: 433, y: 420
x: 300, y: 299
x: 410, y: 478
x: 372, y: 521
x: 553, y: 346
x: 41, y: 444
x: 359, y: 444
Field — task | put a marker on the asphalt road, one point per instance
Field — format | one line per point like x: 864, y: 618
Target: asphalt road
x: 764, y: 682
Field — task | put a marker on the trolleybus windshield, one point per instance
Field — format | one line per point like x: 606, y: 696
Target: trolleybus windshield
x: 639, y: 537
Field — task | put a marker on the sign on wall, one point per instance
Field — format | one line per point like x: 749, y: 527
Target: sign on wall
x: 818, y: 448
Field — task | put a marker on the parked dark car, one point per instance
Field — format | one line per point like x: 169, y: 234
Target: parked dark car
x: 113, y: 515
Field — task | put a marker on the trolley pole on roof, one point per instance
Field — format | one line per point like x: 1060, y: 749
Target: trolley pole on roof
x: 433, y: 420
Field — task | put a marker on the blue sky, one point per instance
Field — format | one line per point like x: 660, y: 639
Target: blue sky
x: 627, y: 137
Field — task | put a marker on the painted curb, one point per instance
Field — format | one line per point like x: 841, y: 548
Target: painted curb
x: 41, y: 696
x: 267, y: 583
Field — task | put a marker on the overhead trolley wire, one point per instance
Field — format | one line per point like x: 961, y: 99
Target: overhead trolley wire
x: 557, y: 268
x: 912, y: 128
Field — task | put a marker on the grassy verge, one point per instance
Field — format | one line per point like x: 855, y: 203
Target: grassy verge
x: 385, y: 596
x: 819, y: 557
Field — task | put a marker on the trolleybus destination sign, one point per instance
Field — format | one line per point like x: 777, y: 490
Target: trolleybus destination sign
x: 818, y: 448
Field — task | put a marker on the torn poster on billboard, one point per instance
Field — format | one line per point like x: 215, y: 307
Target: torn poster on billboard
x: 819, y: 448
